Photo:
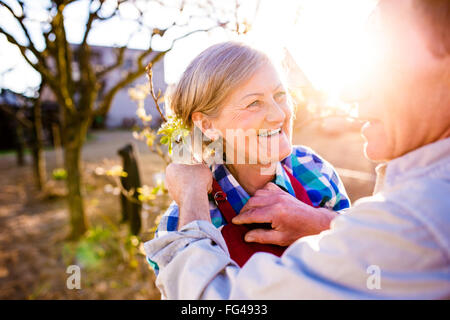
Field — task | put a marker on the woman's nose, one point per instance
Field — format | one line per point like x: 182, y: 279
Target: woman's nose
x: 275, y: 113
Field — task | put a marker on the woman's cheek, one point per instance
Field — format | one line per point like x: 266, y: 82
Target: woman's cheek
x: 288, y: 122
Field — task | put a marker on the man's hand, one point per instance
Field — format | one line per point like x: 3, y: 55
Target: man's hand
x: 291, y: 219
x: 189, y: 186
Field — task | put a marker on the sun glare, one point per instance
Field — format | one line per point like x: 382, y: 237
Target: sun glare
x: 325, y: 38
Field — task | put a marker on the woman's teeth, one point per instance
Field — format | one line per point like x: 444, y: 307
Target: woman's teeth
x: 268, y: 133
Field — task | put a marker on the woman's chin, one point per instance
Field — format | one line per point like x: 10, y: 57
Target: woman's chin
x: 278, y: 154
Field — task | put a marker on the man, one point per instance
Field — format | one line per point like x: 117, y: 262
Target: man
x: 395, y: 244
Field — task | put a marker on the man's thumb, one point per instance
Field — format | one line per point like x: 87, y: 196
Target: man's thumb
x: 271, y: 186
x: 264, y: 236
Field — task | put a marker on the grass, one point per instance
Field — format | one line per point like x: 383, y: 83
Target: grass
x: 89, y: 137
x: 26, y: 151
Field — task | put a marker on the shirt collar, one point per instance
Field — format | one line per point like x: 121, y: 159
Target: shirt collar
x: 418, y: 160
x: 282, y: 179
x: 236, y: 195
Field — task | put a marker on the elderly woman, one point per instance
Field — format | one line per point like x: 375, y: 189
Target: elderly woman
x: 231, y: 87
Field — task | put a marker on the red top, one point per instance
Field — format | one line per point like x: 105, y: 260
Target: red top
x: 241, y: 251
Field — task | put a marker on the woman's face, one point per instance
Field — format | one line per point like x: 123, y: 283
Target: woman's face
x: 259, y: 111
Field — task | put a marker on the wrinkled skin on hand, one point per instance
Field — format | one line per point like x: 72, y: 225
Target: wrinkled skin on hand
x: 189, y: 186
x: 290, y: 218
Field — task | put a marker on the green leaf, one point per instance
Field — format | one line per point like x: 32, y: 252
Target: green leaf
x: 164, y: 140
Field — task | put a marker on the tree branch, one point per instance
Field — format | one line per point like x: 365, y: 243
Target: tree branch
x: 63, y: 60
x: 37, y: 66
x: 115, y: 65
x: 192, y: 32
x: 119, y: 59
x: 89, y: 23
x: 128, y: 79
x: 152, y: 91
x: 133, y: 75
x: 23, y: 121
x: 20, y: 20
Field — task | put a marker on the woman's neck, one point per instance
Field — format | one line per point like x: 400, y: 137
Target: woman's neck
x: 251, y: 177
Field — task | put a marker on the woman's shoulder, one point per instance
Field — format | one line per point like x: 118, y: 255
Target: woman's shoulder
x: 308, y: 159
x: 168, y: 221
x: 172, y: 210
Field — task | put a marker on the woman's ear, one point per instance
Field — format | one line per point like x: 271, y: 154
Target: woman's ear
x: 202, y: 122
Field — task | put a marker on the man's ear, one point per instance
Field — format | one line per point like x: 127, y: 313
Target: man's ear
x: 202, y: 122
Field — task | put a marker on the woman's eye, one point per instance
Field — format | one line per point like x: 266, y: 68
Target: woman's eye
x: 280, y: 95
x: 254, y: 104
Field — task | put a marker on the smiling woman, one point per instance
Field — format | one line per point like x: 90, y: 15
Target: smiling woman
x: 232, y: 93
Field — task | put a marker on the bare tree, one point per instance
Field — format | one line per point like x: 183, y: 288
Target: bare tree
x: 37, y: 141
x: 77, y: 95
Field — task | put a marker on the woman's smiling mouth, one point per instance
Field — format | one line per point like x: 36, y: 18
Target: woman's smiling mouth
x: 269, y: 133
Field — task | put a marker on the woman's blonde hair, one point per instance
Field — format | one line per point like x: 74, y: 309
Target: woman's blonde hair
x: 211, y: 77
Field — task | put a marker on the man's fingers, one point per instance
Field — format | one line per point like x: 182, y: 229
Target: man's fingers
x: 272, y: 186
x: 262, y: 197
x: 258, y: 200
x: 258, y: 215
x: 265, y: 236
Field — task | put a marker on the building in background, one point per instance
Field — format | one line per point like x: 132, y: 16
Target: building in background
x: 13, y: 115
x: 123, y: 110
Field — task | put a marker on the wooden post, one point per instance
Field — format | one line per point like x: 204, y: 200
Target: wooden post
x: 131, y: 210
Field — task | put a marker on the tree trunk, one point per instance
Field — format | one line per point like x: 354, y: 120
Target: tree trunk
x: 20, y: 144
x: 57, y: 145
x: 39, y: 167
x: 74, y: 138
